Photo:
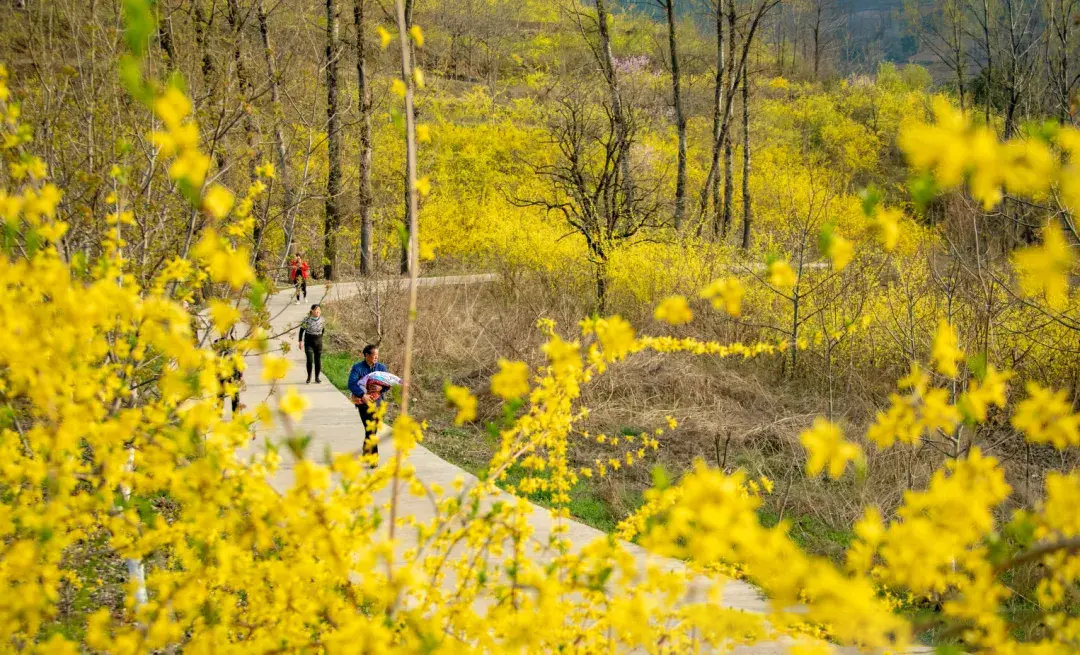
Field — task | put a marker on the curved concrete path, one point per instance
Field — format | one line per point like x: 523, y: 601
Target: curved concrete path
x: 334, y: 425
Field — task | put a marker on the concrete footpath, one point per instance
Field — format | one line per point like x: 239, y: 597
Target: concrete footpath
x: 334, y: 424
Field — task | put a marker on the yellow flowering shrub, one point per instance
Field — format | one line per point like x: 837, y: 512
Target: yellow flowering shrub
x: 111, y: 405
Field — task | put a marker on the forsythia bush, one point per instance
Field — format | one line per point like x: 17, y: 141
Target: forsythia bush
x: 111, y: 413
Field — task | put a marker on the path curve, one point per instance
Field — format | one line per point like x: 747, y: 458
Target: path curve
x: 334, y: 425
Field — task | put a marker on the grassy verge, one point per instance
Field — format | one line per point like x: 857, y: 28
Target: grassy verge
x: 812, y: 534
x: 335, y: 366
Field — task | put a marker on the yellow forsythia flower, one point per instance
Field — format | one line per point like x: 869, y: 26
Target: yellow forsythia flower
x: 406, y: 433
x: 826, y: 446
x: 266, y: 170
x: 417, y: 35
x: 975, y: 402
x: 937, y: 413
x: 293, y: 404
x: 945, y: 352
x: 840, y: 252
x: 418, y: 78
x: 615, y: 336
x: 835, y: 247
x: 223, y: 314
x: 781, y: 275
x: 423, y: 133
x: 224, y: 263
x: 898, y: 422
x: 887, y: 225
x: 725, y: 293
x: 218, y: 201
x: 275, y: 367
x: 384, y: 37
x: 512, y: 380
x: 464, y: 401
x: 1044, y: 269
x: 674, y: 310
x: 423, y: 186
x: 172, y: 107
x: 398, y: 87
x: 1046, y: 416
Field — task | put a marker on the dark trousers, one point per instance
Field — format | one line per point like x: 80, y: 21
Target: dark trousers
x: 301, y: 285
x: 313, y: 353
x: 371, y: 427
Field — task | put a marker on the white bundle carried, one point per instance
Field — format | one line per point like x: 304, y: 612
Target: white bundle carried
x: 382, y: 377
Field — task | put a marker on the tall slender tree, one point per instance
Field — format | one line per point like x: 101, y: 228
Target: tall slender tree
x: 680, y: 119
x: 753, y: 21
x: 718, y: 111
x: 237, y: 19
x: 729, y: 180
x: 746, y: 207
x: 622, y: 131
x: 1061, y: 66
x: 289, y: 201
x: 942, y: 28
x: 333, y: 133
x: 984, y: 20
x: 410, y: 204
x: 363, y: 101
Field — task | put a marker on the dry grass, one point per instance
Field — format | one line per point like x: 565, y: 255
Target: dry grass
x: 732, y: 413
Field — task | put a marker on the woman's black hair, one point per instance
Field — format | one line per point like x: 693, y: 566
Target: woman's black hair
x: 369, y: 348
x: 314, y: 306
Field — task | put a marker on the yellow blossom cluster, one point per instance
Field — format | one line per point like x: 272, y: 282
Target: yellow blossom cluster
x: 180, y: 142
x: 109, y: 403
x: 958, y: 150
x: 828, y: 449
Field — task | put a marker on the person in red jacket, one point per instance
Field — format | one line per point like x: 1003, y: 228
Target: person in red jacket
x: 298, y: 273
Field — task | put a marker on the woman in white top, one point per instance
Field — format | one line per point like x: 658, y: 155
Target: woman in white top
x: 311, y: 333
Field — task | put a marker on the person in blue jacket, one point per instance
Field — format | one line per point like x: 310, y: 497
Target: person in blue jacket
x: 367, y: 400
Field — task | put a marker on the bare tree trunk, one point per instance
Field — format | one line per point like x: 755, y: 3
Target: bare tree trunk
x: 753, y: 22
x: 201, y: 25
x: 729, y: 180
x: 202, y: 41
x: 404, y: 22
x: 288, y: 219
x: 333, y: 176
x: 818, y: 9
x: 236, y: 24
x: 989, y: 88
x: 165, y: 38
x: 406, y: 255
x: 729, y: 186
x: 1012, y: 96
x: 621, y: 128
x: 363, y: 93
x: 746, y: 157
x: 680, y: 120
x: 718, y: 112
x: 958, y: 52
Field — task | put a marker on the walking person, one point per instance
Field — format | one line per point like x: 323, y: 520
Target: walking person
x: 368, y: 405
x: 367, y: 402
x: 298, y: 274
x: 311, y: 334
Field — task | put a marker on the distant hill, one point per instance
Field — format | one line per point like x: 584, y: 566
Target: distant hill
x: 865, y: 32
